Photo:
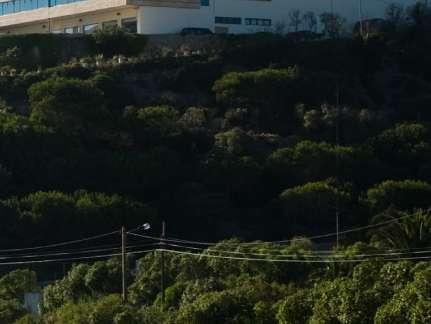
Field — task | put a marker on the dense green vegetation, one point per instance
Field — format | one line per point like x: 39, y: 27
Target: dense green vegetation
x: 259, y: 137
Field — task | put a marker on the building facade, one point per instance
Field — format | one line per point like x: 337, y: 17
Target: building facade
x: 171, y: 16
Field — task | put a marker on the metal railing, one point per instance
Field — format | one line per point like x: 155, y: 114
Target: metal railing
x: 14, y: 6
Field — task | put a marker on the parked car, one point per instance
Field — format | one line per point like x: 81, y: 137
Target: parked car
x: 195, y: 31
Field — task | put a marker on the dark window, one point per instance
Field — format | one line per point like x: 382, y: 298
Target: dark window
x: 130, y: 25
x: 228, y: 20
x: 90, y: 29
x: 258, y: 22
x: 109, y: 24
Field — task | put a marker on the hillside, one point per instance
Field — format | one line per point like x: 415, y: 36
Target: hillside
x: 243, y: 138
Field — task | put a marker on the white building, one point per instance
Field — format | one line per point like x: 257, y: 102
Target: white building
x: 171, y: 16
x: 247, y: 16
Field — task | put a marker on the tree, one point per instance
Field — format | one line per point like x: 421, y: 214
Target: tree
x: 313, y: 161
x: 340, y: 301
x: 105, y: 310
x: 195, y: 117
x: 104, y: 277
x: 256, y: 87
x: 295, y: 19
x: 333, y: 24
x: 269, y: 93
x: 406, y: 194
x: 295, y: 308
x: 312, y: 205
x: 11, y: 57
x: 113, y: 41
x: 13, y: 286
x: 410, y: 304
x: 16, y: 283
x: 310, y: 21
x: 4, y: 107
x: 395, y: 15
x: 404, y: 230
x: 217, y: 307
x: 67, y: 290
x: 152, y: 125
x: 29, y: 319
x: 70, y: 313
x: 67, y: 105
x: 419, y: 13
x: 66, y: 216
x: 237, y: 176
x: 406, y: 148
x: 10, y: 310
x: 354, y: 125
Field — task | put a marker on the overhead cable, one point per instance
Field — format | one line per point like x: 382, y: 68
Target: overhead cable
x: 60, y: 244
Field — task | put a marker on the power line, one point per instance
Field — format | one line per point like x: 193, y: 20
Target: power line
x: 72, y: 259
x: 299, y: 255
x: 308, y: 253
x: 356, y: 229
x: 85, y: 239
x: 72, y: 252
x: 291, y: 260
x: 272, y: 259
x: 61, y: 243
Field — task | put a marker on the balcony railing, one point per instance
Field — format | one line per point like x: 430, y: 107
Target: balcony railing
x: 14, y: 6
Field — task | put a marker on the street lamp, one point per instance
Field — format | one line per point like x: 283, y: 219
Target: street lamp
x: 145, y: 227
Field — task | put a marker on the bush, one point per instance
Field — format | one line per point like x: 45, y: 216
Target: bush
x: 404, y: 194
x: 115, y: 41
x: 68, y: 105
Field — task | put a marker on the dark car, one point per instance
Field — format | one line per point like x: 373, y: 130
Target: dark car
x: 196, y: 31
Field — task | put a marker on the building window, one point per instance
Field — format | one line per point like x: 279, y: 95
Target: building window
x: 130, y: 25
x: 228, y: 20
x: 205, y: 3
x: 109, y: 24
x: 90, y: 29
x: 71, y: 30
x: 258, y: 22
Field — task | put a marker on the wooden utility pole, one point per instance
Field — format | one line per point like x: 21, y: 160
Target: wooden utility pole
x: 337, y: 165
x: 361, y: 18
x: 124, y: 263
x: 162, y: 242
x: 49, y: 16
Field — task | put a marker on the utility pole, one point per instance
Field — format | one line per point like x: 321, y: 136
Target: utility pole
x: 123, y: 263
x: 162, y: 242
x: 420, y: 231
x: 337, y: 162
x: 361, y: 18
x: 49, y: 16
x: 333, y: 22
